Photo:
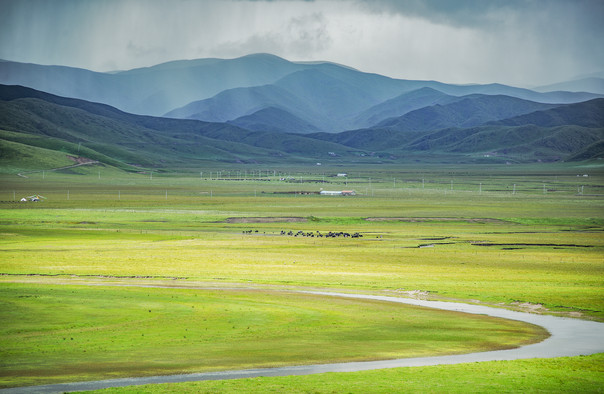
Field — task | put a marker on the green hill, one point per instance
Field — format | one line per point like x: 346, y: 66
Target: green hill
x: 274, y: 120
x: 566, y: 132
x: 587, y: 114
x: 40, y: 130
x: 468, y: 111
x: 99, y: 132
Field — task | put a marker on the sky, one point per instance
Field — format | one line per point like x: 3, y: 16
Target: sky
x: 516, y: 42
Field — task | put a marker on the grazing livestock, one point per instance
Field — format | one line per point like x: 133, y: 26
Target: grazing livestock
x: 315, y: 234
x: 318, y: 234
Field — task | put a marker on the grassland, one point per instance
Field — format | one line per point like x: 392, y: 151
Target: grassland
x: 524, y: 238
x: 556, y: 375
x: 57, y: 333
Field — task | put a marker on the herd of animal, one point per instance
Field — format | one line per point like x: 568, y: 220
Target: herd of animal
x: 321, y: 235
x: 314, y: 234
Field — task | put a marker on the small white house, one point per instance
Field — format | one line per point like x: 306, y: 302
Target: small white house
x: 338, y: 193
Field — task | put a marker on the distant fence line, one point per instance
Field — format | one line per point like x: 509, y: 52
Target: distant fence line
x: 361, y: 190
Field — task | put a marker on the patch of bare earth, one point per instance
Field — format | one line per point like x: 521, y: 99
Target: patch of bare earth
x: 80, y: 159
x: 436, y: 219
x: 530, y: 307
x: 540, y: 309
x: 416, y: 294
x: 266, y: 220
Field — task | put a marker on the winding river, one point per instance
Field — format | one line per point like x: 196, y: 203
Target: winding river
x: 569, y: 337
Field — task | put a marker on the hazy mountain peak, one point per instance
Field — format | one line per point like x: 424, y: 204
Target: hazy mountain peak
x: 274, y: 119
x: 593, y: 84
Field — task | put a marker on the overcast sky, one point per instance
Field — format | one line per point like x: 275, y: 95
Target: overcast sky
x: 518, y: 42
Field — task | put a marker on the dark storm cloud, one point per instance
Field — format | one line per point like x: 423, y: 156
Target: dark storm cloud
x: 553, y: 21
x: 468, y: 13
x: 301, y: 36
x: 457, y: 13
x: 558, y: 36
x: 521, y: 42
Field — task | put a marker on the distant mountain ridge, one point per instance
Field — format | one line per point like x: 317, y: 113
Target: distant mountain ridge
x: 151, y: 90
x: 465, y: 111
x: 336, y: 104
x: 329, y: 96
x: 589, y: 84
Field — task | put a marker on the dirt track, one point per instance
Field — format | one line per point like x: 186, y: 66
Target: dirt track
x: 435, y: 219
x: 266, y: 220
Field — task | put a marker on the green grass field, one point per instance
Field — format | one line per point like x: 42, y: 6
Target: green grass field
x: 496, y: 236
x: 57, y: 333
x: 556, y: 375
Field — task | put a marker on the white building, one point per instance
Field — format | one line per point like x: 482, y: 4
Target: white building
x: 338, y: 193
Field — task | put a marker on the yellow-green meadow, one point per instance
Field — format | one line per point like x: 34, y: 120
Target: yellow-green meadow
x: 72, y: 266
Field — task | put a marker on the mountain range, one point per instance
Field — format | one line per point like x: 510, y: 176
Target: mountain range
x: 264, y: 109
x: 327, y: 96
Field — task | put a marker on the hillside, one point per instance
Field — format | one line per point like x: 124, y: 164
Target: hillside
x: 400, y: 105
x: 235, y: 103
x: 587, y: 114
x: 467, y: 111
x: 274, y: 120
x: 35, y: 119
x: 36, y: 123
x: 577, y: 134
x: 521, y: 143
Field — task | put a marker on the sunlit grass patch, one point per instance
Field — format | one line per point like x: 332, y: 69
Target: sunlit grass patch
x: 561, y: 270
x: 583, y: 374
x: 54, y: 333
